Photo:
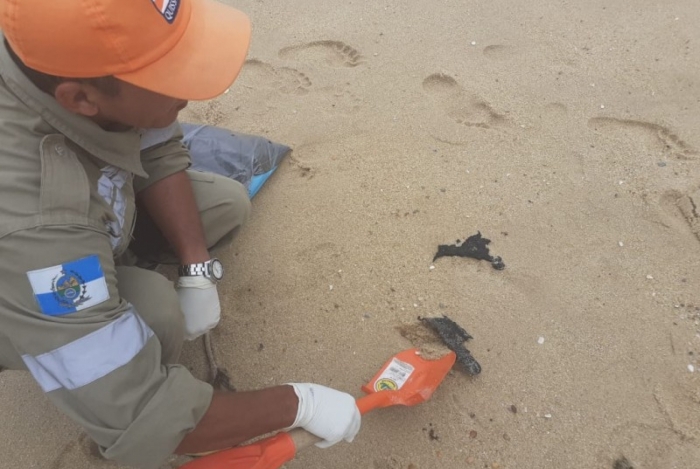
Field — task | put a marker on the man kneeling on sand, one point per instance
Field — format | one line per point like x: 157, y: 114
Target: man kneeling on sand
x: 90, y: 92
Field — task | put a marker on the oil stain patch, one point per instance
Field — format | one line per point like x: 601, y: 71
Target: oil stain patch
x: 475, y: 247
x: 435, y: 337
x: 454, y: 336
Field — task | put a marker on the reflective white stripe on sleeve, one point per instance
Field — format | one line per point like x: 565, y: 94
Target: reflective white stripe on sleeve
x: 91, y: 357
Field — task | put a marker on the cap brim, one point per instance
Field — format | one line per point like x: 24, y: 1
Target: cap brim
x: 206, y: 60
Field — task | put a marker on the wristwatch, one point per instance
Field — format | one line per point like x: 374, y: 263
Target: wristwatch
x: 212, y: 269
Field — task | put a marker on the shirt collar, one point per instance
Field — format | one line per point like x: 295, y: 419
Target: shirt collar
x: 120, y: 149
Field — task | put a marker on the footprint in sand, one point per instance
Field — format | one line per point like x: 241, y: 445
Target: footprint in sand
x: 333, y: 53
x: 499, y: 52
x: 556, y: 111
x: 670, y: 438
x: 333, y: 97
x: 684, y: 210
x: 285, y: 80
x: 689, y: 205
x: 256, y: 75
x: 667, y: 140
x: 390, y: 462
x: 462, y: 107
x: 209, y: 112
x: 662, y: 447
x: 304, y: 169
x: 678, y: 402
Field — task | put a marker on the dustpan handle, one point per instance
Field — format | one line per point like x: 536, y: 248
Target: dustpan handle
x: 375, y: 400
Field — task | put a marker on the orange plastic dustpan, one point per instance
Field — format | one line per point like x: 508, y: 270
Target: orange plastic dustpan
x: 405, y: 379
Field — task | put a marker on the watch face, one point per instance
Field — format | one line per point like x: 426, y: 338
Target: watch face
x: 217, y: 269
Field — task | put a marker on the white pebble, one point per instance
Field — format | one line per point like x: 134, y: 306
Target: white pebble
x: 432, y: 267
x: 621, y: 244
x: 415, y: 305
x: 548, y: 416
x: 691, y: 368
x: 227, y: 90
x: 540, y: 340
x: 602, y: 106
x: 473, y: 43
x: 330, y: 287
x: 649, y: 277
x: 621, y: 182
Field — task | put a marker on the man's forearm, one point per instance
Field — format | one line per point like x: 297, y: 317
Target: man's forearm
x: 171, y: 204
x: 234, y: 418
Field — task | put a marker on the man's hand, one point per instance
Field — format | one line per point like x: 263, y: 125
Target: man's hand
x: 236, y: 417
x: 329, y: 414
x: 199, y: 301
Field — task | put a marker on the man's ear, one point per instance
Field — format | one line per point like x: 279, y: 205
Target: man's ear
x: 73, y: 96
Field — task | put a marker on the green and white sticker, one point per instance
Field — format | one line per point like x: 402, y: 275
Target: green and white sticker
x: 394, y: 376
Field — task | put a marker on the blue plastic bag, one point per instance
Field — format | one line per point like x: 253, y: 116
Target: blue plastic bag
x: 248, y: 159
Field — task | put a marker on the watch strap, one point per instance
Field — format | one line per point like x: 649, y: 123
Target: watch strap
x: 200, y: 269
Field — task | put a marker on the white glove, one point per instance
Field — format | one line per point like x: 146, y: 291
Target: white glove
x: 199, y: 301
x: 329, y: 414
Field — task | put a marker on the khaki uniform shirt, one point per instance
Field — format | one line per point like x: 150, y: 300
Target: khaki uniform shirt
x: 66, y: 213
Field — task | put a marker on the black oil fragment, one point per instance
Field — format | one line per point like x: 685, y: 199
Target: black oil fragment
x: 475, y: 247
x: 432, y: 435
x: 454, y: 337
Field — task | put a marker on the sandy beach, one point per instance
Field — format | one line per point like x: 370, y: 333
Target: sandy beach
x: 565, y: 132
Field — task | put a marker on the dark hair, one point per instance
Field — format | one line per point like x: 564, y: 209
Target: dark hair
x: 109, y: 85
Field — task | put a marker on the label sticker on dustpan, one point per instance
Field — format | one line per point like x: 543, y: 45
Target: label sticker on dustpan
x: 394, y: 376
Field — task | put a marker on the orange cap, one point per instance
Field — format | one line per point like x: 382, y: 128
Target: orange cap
x: 186, y: 49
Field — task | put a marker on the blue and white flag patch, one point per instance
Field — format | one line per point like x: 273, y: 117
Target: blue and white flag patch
x: 70, y: 287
